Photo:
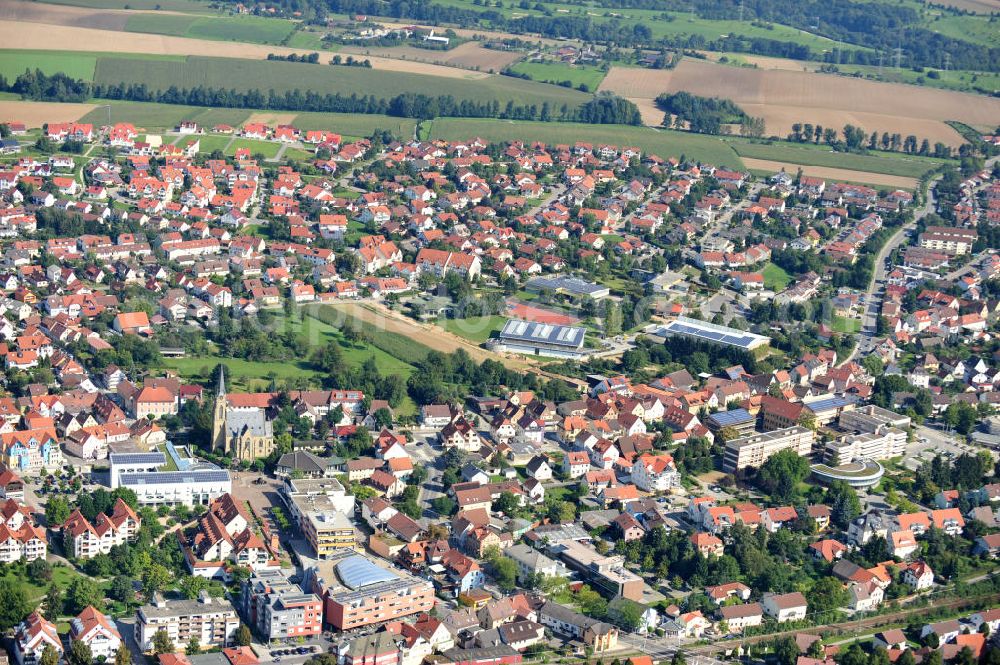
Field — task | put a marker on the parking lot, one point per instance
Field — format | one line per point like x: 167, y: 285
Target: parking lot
x: 931, y: 442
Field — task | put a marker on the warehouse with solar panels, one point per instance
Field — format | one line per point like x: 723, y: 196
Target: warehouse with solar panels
x: 541, y: 339
x: 703, y: 331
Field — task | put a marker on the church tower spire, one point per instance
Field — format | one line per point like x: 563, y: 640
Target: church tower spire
x: 219, y: 415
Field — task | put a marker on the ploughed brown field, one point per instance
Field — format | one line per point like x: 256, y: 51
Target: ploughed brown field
x: 783, y: 98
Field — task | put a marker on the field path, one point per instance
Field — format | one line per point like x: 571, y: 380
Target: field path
x: 784, y: 97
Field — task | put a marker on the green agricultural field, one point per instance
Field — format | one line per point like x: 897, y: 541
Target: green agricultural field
x: 355, y: 124
x: 211, y: 142
x: 976, y: 29
x: 313, y: 41
x: 192, y: 6
x: 13, y: 63
x: 664, y: 143
x: 557, y: 72
x: 264, y: 75
x: 164, y: 116
x: 898, y: 164
x: 476, y: 329
x: 775, y: 277
x: 253, y: 29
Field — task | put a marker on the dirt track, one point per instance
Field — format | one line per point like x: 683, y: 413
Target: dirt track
x: 784, y: 97
x: 35, y: 114
x: 832, y: 173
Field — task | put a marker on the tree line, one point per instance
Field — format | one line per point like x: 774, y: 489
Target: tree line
x: 855, y: 139
x: 604, y: 108
x: 873, y: 26
x: 706, y: 115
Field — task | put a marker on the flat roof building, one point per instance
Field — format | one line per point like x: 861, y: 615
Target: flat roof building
x: 606, y: 572
x: 713, y: 333
x: 541, y: 339
x: 755, y: 449
x: 195, y: 487
x: 740, y: 420
x: 276, y: 609
x: 360, y: 591
x: 321, y: 508
x: 571, y: 286
x: 212, y: 620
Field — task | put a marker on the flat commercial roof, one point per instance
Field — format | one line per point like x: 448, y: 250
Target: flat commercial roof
x: 731, y: 417
x: 531, y: 332
x: 710, y: 332
x: 175, y: 477
x: 573, y: 285
x: 137, y: 458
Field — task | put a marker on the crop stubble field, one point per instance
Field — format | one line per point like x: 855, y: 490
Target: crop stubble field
x: 786, y: 97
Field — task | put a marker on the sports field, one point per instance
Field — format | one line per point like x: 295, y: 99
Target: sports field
x: 475, y: 329
x: 663, y: 143
x: 242, y: 75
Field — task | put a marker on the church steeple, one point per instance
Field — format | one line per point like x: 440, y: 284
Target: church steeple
x: 219, y: 442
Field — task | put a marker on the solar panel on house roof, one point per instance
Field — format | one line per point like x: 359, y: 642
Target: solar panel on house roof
x: 726, y: 418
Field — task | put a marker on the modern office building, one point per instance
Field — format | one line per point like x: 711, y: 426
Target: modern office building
x: 195, y: 487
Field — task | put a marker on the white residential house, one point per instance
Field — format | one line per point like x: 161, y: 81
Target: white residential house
x: 785, y: 606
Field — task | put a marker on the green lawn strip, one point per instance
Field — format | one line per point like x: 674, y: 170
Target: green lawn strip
x: 898, y: 164
x: 975, y: 29
x: 476, y: 329
x: 843, y: 324
x: 266, y: 148
x: 557, y: 72
x: 263, y: 75
x: 355, y: 124
x: 664, y: 143
x: 164, y: 116
x: 775, y: 277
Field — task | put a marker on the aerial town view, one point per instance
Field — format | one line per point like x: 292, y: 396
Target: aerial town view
x: 500, y: 332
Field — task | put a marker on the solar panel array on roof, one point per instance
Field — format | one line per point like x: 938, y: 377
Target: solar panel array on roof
x: 731, y: 417
x: 176, y: 477
x: 138, y: 458
x: 357, y: 571
x: 828, y: 403
x: 545, y: 333
x: 713, y: 333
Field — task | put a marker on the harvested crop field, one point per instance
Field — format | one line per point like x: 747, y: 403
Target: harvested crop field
x: 272, y: 117
x: 54, y: 37
x: 469, y: 55
x: 33, y: 12
x: 846, y: 175
x: 786, y: 97
x: 36, y: 114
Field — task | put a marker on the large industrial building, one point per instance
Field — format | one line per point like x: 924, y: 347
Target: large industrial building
x: 541, y: 339
x: 712, y: 333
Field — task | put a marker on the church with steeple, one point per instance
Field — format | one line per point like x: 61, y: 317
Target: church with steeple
x: 242, y: 431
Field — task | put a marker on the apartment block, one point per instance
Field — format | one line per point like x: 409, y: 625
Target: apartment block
x: 213, y: 621
x: 321, y: 508
x: 755, y: 449
x: 276, y: 609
